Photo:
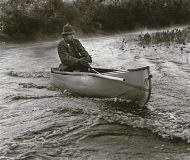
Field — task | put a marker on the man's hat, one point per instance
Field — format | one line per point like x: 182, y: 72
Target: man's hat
x: 67, y: 29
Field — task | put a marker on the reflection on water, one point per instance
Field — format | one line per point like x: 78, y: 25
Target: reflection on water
x: 39, y: 121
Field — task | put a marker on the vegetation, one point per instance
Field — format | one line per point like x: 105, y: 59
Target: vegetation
x: 29, y: 20
x: 166, y: 37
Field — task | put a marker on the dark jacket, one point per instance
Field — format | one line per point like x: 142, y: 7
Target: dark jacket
x: 69, y: 55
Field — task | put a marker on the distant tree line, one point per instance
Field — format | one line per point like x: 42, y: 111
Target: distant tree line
x: 29, y: 20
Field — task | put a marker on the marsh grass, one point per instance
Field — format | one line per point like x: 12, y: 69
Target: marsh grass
x: 174, y: 36
x: 160, y: 44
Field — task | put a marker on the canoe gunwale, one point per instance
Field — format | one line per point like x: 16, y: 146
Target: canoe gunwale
x: 138, y: 69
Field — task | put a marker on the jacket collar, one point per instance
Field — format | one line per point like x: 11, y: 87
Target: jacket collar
x: 65, y: 44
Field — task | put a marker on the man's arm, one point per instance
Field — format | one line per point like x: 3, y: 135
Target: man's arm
x: 83, y: 52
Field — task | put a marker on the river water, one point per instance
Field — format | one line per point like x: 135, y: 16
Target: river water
x: 38, y: 121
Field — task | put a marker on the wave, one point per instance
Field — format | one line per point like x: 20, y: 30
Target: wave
x: 45, y: 74
x: 116, y: 111
x: 32, y: 97
x: 25, y: 97
x: 37, y: 86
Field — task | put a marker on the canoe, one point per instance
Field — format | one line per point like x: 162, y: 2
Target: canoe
x: 131, y: 84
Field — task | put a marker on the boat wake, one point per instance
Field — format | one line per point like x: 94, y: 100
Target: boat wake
x: 29, y: 74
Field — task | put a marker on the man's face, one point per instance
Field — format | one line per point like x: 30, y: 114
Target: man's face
x: 69, y: 37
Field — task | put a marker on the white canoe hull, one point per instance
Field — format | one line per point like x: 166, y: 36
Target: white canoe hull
x: 136, y: 85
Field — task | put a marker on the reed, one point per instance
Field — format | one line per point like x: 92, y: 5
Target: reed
x: 165, y: 37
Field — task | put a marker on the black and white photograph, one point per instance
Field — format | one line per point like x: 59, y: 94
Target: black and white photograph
x: 94, y: 79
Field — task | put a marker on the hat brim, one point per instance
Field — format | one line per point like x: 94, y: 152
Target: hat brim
x: 68, y: 32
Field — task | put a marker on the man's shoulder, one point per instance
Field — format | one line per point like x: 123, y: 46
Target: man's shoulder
x: 61, y: 43
x: 76, y: 40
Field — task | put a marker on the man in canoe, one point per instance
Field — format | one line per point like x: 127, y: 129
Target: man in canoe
x: 72, y: 54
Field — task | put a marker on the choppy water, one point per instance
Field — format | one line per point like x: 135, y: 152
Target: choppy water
x: 38, y: 121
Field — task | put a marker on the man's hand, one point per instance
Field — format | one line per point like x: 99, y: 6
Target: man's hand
x: 83, y: 61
